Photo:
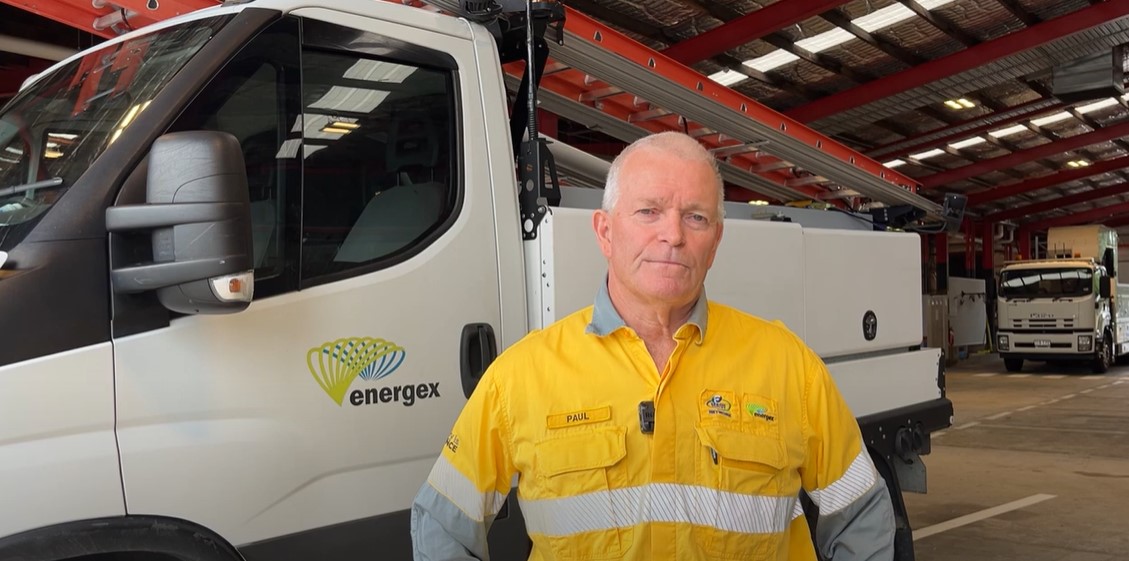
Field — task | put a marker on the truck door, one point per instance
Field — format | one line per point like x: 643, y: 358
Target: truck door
x: 303, y: 426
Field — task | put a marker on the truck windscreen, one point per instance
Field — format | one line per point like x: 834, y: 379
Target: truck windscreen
x: 1046, y: 283
x: 53, y: 130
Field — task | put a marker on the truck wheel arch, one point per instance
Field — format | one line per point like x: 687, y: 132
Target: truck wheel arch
x: 135, y: 537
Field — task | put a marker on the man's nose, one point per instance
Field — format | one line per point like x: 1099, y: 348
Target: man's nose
x: 671, y: 229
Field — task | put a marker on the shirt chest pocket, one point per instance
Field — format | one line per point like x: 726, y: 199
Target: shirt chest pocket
x: 751, y: 499
x: 743, y: 462
x: 576, y: 509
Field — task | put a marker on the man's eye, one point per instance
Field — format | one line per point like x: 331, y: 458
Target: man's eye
x: 698, y: 218
x: 646, y: 211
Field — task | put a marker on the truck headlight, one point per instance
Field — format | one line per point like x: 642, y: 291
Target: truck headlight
x: 1085, y: 343
x: 1002, y: 343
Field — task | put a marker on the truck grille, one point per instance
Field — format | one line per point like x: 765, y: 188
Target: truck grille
x: 1061, y: 323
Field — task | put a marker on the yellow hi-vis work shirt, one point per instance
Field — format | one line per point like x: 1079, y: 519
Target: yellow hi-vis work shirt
x: 745, y: 415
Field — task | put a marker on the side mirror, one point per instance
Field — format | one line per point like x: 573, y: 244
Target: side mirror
x: 1103, y: 286
x: 199, y: 211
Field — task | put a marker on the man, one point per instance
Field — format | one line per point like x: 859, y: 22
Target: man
x: 655, y: 424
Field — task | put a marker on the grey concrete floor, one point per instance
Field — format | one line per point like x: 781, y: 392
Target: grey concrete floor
x: 1048, y: 449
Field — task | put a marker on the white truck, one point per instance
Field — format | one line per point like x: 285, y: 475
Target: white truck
x: 1066, y: 307
x: 349, y: 163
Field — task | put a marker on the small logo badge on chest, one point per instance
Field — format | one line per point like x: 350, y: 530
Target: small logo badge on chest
x: 718, y: 405
x: 759, y: 411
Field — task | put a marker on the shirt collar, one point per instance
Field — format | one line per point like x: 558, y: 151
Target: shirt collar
x: 606, y: 320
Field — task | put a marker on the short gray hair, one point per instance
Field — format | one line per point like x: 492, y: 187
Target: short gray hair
x: 677, y: 144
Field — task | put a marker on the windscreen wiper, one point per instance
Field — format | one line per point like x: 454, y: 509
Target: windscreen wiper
x: 52, y: 183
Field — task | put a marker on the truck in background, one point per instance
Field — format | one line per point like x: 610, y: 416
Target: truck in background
x: 1068, y: 306
x: 258, y: 255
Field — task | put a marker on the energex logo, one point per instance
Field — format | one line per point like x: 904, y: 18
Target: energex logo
x: 337, y: 365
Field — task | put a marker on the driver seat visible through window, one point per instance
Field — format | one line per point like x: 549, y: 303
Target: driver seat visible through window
x: 412, y: 200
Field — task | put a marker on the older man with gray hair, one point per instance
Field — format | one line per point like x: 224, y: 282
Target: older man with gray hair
x: 655, y: 424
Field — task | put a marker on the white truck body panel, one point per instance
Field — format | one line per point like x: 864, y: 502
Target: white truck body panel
x: 62, y: 453
x: 757, y: 271
x: 846, y: 274
x: 229, y: 404
x: 876, y: 384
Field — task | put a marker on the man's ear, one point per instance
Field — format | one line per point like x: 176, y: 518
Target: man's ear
x: 601, y: 225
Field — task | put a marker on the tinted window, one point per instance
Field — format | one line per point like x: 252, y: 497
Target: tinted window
x: 378, y: 150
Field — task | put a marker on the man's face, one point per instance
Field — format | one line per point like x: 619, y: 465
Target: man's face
x: 663, y: 233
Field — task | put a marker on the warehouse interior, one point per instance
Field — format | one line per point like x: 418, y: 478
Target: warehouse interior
x: 983, y: 126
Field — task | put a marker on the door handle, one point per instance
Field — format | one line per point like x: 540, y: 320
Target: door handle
x: 477, y: 350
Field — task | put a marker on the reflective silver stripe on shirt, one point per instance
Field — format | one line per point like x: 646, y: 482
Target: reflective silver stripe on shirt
x: 449, y: 482
x: 658, y: 502
x: 860, y: 477
x: 798, y: 510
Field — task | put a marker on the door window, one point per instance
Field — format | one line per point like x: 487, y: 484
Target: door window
x: 378, y: 150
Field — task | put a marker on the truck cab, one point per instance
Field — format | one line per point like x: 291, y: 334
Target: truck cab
x: 373, y: 195
x: 1051, y: 310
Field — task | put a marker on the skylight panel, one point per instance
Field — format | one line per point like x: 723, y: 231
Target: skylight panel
x: 968, y: 142
x: 927, y: 154
x: 1091, y: 107
x: 728, y: 77
x: 881, y: 19
x: 775, y: 59
x: 933, y: 4
x: 1015, y: 129
x: 826, y: 40
x: 1044, y: 121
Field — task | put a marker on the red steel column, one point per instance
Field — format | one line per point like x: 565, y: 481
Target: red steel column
x: 987, y: 255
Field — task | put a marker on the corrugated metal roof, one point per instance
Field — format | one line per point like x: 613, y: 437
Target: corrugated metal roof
x: 1005, y: 94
